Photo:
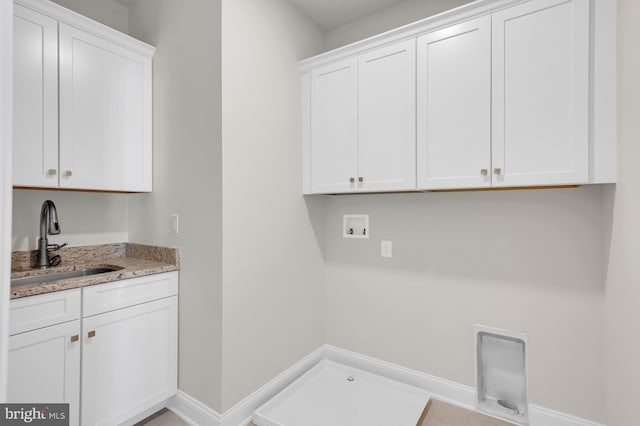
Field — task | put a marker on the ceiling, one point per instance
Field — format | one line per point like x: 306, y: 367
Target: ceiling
x: 329, y: 14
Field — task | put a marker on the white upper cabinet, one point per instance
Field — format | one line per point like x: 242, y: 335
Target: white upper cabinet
x: 541, y: 93
x: 35, y: 76
x: 386, y: 118
x: 362, y: 122
x: 83, y: 103
x: 454, y: 106
x: 334, y: 127
x: 492, y: 94
x: 105, y: 114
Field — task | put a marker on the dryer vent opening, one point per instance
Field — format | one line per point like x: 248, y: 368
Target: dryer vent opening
x: 501, y: 374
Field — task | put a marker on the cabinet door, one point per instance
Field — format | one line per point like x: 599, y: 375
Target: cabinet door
x: 129, y: 361
x: 386, y: 118
x: 541, y: 93
x: 334, y: 127
x: 105, y: 114
x: 454, y: 106
x: 44, y: 367
x: 35, y: 84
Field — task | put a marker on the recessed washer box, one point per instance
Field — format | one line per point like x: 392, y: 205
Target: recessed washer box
x: 501, y: 374
x: 355, y: 226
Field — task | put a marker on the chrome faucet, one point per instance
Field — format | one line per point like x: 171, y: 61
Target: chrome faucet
x: 48, y: 220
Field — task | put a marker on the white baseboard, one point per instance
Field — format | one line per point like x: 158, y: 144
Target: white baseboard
x: 146, y: 413
x: 193, y: 411
x: 196, y: 413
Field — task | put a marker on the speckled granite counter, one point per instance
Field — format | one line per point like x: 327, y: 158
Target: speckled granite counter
x: 130, y: 260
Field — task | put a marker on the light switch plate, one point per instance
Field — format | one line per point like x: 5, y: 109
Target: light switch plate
x: 174, y: 223
x: 386, y: 249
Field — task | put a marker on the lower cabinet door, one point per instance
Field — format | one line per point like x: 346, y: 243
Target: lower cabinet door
x: 44, y: 367
x: 129, y: 361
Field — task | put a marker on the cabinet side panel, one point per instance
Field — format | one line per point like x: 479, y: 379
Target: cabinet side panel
x: 306, y: 133
x: 604, y: 152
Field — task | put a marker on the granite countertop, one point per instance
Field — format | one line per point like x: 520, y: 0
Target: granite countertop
x: 130, y: 260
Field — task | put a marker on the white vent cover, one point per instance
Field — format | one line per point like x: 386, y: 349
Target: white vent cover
x: 501, y: 374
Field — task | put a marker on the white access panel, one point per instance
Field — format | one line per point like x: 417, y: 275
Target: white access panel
x: 454, y: 106
x: 386, y: 118
x: 541, y: 93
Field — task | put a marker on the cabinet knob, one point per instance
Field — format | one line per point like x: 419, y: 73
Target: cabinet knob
x: 360, y: 179
x: 91, y: 334
x: 52, y: 172
x: 68, y: 173
x: 497, y: 171
x: 352, y: 180
x: 75, y: 338
x: 484, y: 172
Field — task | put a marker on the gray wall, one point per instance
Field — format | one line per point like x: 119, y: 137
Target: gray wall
x: 108, y: 12
x: 623, y: 283
x: 187, y: 175
x: 527, y: 261
x: 85, y: 218
x: 395, y: 16
x: 273, y: 311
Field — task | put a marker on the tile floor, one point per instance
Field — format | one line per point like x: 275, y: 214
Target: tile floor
x: 165, y: 418
x: 162, y: 418
x: 436, y: 413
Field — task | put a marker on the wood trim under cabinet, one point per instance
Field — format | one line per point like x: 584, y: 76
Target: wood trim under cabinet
x: 36, y: 188
x: 503, y: 188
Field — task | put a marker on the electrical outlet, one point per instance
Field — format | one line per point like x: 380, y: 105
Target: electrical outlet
x: 174, y: 223
x: 386, y: 249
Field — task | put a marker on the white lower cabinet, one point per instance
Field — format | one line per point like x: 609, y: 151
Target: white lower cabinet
x: 44, y: 367
x: 112, y: 364
x: 129, y: 361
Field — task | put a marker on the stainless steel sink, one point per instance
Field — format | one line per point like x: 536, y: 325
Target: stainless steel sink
x: 61, y: 276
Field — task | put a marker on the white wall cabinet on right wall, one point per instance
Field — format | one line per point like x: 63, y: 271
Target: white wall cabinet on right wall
x: 541, y: 94
x: 508, y: 94
x: 362, y: 135
x: 454, y: 106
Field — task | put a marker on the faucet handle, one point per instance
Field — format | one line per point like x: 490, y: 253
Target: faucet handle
x: 55, y: 247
